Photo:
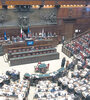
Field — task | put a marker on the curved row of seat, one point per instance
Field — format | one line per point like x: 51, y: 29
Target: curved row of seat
x: 12, y: 88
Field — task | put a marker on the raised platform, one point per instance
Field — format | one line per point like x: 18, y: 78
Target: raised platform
x: 19, y: 53
x: 33, y: 59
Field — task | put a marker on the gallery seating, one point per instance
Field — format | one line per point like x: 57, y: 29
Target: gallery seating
x: 79, y: 49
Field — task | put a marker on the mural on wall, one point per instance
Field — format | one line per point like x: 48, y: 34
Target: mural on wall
x: 29, y: 18
x: 4, y: 17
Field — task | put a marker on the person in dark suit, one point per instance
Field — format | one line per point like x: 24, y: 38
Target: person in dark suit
x: 63, y: 62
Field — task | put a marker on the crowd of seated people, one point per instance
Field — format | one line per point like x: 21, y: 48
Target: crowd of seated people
x: 9, y: 39
x: 66, y: 88
x: 10, y: 75
x: 77, y: 84
x: 22, y: 37
x: 80, y: 44
x: 16, y: 39
x: 75, y: 87
x: 68, y: 65
x: 80, y: 49
x: 11, y: 87
x: 13, y: 74
x: 4, y: 79
x: 47, y: 90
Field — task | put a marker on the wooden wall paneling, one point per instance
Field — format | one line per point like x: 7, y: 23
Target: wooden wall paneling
x: 79, y: 12
x: 47, y: 2
x: 10, y: 31
x: 23, y: 2
x: 83, y: 24
x: 83, y: 20
x: 69, y: 28
x: 70, y: 12
x: 82, y: 27
x: 35, y: 2
x: 66, y: 12
x: 0, y: 3
x: 73, y: 12
x: 62, y: 2
x: 60, y: 12
x: 63, y: 12
x: 87, y: 11
x: 38, y: 29
x: 68, y: 31
x: 34, y: 29
x: 65, y: 2
x: 0, y: 6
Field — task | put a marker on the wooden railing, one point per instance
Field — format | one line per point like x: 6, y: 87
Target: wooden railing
x: 0, y: 3
x: 86, y: 32
x: 82, y: 27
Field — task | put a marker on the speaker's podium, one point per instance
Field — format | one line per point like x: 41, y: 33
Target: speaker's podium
x: 32, y: 53
x: 29, y: 42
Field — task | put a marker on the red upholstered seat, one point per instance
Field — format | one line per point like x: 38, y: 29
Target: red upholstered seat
x: 23, y: 49
x: 19, y: 55
x: 47, y: 66
x: 14, y: 51
x: 9, y: 51
x: 23, y: 55
x: 14, y: 56
x: 19, y: 50
x: 28, y: 50
x: 39, y: 62
x: 36, y: 69
x: 28, y: 54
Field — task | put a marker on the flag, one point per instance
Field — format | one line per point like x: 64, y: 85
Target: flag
x: 5, y: 37
x: 29, y: 32
x: 48, y: 34
x: 21, y: 33
x: 43, y: 32
x: 24, y: 35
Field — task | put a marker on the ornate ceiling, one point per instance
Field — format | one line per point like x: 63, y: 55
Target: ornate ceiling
x: 45, y: 2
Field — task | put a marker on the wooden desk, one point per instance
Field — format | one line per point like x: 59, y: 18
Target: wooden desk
x: 33, y: 58
x: 19, y: 53
x: 66, y: 51
x: 24, y: 44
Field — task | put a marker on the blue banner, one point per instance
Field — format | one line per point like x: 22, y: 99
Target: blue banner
x: 5, y: 37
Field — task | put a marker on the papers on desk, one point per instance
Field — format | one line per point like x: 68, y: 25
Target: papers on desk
x: 15, y: 89
x: 85, y: 94
x: 1, y: 80
x: 70, y: 86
